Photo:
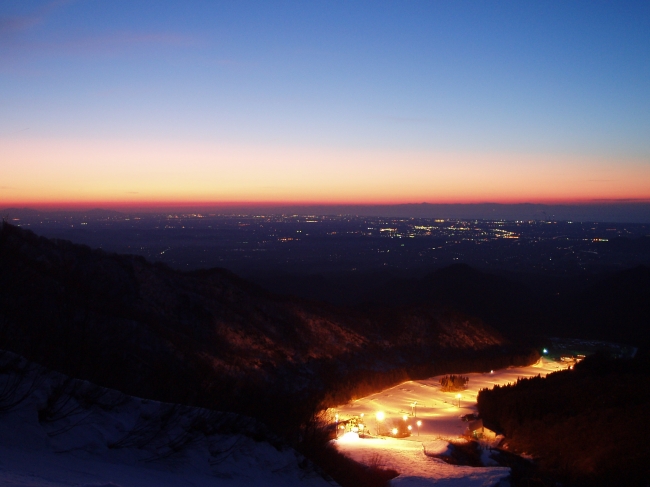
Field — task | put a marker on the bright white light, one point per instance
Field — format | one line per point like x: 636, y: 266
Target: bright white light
x: 410, y: 427
x: 405, y: 417
x: 349, y: 436
x: 419, y: 423
x: 380, y: 416
x: 394, y: 431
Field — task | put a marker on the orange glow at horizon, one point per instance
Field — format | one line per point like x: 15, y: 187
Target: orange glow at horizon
x: 151, y: 174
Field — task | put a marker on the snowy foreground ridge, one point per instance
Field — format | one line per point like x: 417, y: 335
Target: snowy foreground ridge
x: 57, y: 432
x: 60, y: 432
x: 439, y: 416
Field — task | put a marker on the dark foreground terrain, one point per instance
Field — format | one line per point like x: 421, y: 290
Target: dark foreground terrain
x: 211, y: 339
x: 208, y: 338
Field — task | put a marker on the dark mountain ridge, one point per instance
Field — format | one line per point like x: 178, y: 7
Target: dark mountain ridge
x: 209, y: 338
x: 611, y: 306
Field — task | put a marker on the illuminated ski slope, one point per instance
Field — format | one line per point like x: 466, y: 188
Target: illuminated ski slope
x: 439, y: 416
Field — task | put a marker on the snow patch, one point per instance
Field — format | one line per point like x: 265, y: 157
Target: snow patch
x: 436, y: 447
x: 486, y: 458
x: 60, y: 432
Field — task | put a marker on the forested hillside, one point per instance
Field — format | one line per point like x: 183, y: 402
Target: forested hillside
x: 586, y: 426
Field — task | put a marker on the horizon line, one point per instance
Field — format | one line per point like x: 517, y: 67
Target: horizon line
x: 160, y: 205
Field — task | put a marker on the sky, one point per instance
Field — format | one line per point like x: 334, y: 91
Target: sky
x: 144, y: 103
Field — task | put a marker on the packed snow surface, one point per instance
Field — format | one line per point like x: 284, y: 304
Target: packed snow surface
x: 439, y: 414
x: 60, y: 432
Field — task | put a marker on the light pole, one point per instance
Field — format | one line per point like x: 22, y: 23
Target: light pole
x: 458, y: 396
x: 414, y: 409
x: 419, y: 423
x: 379, y: 417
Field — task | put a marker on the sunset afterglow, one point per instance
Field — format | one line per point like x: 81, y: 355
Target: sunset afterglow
x: 116, y: 173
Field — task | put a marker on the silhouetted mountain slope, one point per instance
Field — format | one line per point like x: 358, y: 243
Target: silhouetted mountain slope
x: 57, y: 292
x: 494, y: 299
x: 611, y: 306
x: 338, y: 288
x: 616, y: 308
x: 206, y: 337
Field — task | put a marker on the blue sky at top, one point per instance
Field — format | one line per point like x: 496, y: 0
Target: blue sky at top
x: 518, y: 76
